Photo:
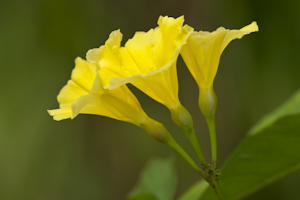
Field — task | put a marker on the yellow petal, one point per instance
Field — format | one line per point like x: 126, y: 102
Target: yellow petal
x: 115, y: 38
x: 84, y: 74
x: 81, y: 83
x: 148, y: 61
x: 69, y: 94
x: 60, y: 114
x: 82, y: 78
x: 203, y: 51
x: 118, y: 104
x: 93, y: 55
x: 113, y: 42
x: 84, y: 94
x: 238, y: 34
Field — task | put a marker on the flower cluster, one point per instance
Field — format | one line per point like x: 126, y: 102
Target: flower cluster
x: 147, y: 61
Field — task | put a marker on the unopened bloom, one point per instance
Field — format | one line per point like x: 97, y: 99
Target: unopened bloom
x: 148, y: 61
x: 202, y: 55
x: 85, y: 94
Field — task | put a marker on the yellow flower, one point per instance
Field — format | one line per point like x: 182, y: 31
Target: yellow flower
x: 148, y: 61
x: 202, y: 55
x: 85, y: 94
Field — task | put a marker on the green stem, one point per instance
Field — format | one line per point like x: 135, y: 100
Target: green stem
x: 213, y: 139
x: 194, y: 141
x: 183, y: 120
x: 173, y: 144
x: 214, y: 183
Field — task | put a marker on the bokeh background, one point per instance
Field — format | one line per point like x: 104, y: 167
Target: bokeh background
x: 93, y: 157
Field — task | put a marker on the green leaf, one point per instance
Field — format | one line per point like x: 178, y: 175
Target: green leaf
x: 196, y: 191
x: 292, y: 106
x: 157, y: 181
x: 269, y: 152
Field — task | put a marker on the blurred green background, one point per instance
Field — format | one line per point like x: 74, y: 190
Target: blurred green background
x: 93, y: 157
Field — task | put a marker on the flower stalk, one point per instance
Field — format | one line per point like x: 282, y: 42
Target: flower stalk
x: 174, y: 145
x: 213, y: 139
x: 208, y: 103
x: 183, y: 119
x: 193, y: 139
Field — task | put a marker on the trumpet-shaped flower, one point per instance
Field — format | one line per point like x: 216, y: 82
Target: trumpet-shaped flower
x: 148, y: 61
x: 85, y: 94
x: 202, y: 55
